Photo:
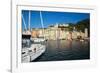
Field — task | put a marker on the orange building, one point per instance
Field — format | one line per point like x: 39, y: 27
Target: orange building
x: 34, y: 34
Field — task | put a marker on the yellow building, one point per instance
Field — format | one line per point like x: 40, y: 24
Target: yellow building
x: 57, y: 32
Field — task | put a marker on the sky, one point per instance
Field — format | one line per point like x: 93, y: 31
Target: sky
x: 51, y: 18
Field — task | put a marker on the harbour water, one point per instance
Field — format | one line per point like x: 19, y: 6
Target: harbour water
x: 57, y: 50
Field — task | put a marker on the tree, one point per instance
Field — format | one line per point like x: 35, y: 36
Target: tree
x: 81, y: 25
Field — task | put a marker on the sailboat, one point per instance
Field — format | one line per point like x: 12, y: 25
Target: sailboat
x: 30, y: 51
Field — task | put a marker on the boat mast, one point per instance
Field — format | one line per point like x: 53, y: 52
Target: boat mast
x: 29, y: 21
x: 24, y: 22
x: 41, y: 18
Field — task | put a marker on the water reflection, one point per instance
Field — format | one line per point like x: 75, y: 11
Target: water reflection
x: 65, y: 50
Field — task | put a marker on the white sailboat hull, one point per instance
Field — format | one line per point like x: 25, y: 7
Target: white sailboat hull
x: 33, y: 54
x: 38, y: 39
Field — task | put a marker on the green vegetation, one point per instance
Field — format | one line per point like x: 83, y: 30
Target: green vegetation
x: 71, y: 26
x: 80, y: 26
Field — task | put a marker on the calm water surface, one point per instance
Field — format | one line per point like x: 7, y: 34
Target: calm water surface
x: 65, y: 50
